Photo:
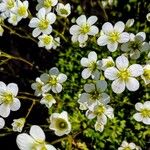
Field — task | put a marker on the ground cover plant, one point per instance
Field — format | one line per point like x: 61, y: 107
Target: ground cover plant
x: 75, y: 75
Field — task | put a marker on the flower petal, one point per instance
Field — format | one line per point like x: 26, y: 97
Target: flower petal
x: 89, y: 87
x: 122, y: 62
x: 57, y: 88
x: 86, y: 73
x: 61, y: 78
x: 93, y: 30
x: 50, y: 147
x: 41, y: 13
x: 82, y: 38
x: 24, y: 141
x: 91, y: 20
x: 92, y: 56
x: 112, y: 46
x: 124, y: 37
x: 101, y: 85
x: 34, y: 23
x: 2, y: 123
x: 13, y: 88
x: 74, y: 29
x: 107, y: 28
x: 37, y: 133
x: 118, y: 86
x: 135, y: 70
x: 51, y: 17
x: 81, y: 20
x: 119, y: 26
x: 138, y: 106
x: 15, y: 105
x: 54, y: 71
x: 132, y: 84
x: 146, y: 120
x: 36, y: 32
x: 142, y: 35
x: 84, y: 62
x: 111, y: 73
x: 102, y: 40
x: 4, y: 110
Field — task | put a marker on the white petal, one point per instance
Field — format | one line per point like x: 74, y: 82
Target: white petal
x: 138, y: 106
x: 36, y: 32
x: 112, y: 46
x: 142, y: 34
x: 146, y: 121
x: 84, y: 62
x: 107, y: 28
x: 105, y: 98
x: 92, y: 56
x: 138, y: 117
x: 124, y: 37
x: 50, y: 147
x: 74, y: 29
x: 24, y: 141
x: 48, y: 30
x: 93, y: 30
x: 2, y: 123
x: 61, y: 78
x: 147, y: 104
x: 86, y: 73
x: 132, y: 145
x: 82, y: 38
x: 101, y: 85
x: 91, y: 20
x: 135, y: 54
x: 84, y: 97
x: 135, y: 70
x: 90, y: 115
x: 81, y: 20
x: 44, y: 77
x: 102, y: 40
x: 102, y: 119
x: 54, y: 71
x: 13, y: 88
x: 125, y: 47
x: 34, y: 22
x: 119, y: 26
x: 118, y: 86
x: 145, y: 47
x: 132, y: 84
x: 89, y: 87
x: 111, y: 73
x: 51, y: 17
x: 4, y: 110
x: 109, y: 112
x: 2, y: 86
x: 41, y: 13
x: 15, y: 105
x: 122, y: 62
x: 57, y: 88
x: 37, y: 133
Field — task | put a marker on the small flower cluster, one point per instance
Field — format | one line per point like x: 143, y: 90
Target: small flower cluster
x: 8, y: 100
x: 95, y: 100
x: 129, y: 146
x: 42, y: 24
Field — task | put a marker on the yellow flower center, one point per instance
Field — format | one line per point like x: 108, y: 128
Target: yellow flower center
x: 147, y: 73
x: 99, y: 110
x: 127, y: 148
x: 53, y: 80
x: 134, y: 45
x: 124, y: 75
x: 94, y: 95
x: 109, y: 64
x: 84, y: 29
x: 7, y: 98
x: 22, y: 11
x: 63, y: 11
x: 114, y: 37
x: 61, y: 124
x: 47, y: 40
x: 92, y: 66
x: 48, y: 97
x: 47, y: 3
x: 145, y: 112
x: 10, y: 4
x: 40, y: 145
x: 43, y: 24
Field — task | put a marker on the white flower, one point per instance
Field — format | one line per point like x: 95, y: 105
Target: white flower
x: 136, y: 45
x: 2, y: 123
x: 45, y: 41
x: 92, y: 66
x: 148, y: 17
x: 47, y: 4
x: 113, y: 35
x: 63, y: 10
x: 36, y: 140
x: 6, y: 7
x: 13, y: 19
x: 42, y: 23
x: 146, y: 74
x: 83, y: 29
x: 53, y: 80
x: 21, y: 9
x: 101, y: 111
x: 60, y: 123
x: 124, y: 75
x: 8, y: 100
x: 129, y: 23
x: 56, y: 42
x: 18, y: 124
x: 144, y: 112
x: 37, y: 86
x: 48, y: 100
x: 107, y: 62
x: 99, y: 126
x: 1, y: 31
x: 94, y: 94
x: 127, y: 146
